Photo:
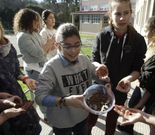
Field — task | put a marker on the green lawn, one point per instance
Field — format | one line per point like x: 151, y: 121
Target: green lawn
x: 87, y: 45
x: 88, y: 36
x: 87, y: 51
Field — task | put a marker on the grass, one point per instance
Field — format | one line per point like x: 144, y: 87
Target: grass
x: 88, y: 36
x: 87, y: 46
x: 86, y: 51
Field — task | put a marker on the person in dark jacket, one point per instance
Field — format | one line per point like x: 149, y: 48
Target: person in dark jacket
x: 8, y: 105
x: 122, y: 50
x: 28, y: 122
x: 147, y: 77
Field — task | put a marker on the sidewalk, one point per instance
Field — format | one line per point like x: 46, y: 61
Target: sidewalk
x: 139, y: 128
x: 99, y: 129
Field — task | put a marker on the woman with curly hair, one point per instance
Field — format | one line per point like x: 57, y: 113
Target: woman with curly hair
x: 27, y: 25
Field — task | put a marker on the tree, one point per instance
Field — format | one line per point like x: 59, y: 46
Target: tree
x: 7, y: 12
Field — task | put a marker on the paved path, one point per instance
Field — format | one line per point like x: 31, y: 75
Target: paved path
x: 99, y: 129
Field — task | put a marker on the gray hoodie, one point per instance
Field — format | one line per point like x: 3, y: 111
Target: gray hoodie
x: 59, y: 78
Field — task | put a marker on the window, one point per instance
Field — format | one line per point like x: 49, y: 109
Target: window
x: 95, y: 19
x: 85, y: 18
x: 105, y: 19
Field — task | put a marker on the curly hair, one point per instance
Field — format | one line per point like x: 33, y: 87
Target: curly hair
x: 2, y: 37
x: 23, y: 20
x: 66, y: 30
x: 150, y: 24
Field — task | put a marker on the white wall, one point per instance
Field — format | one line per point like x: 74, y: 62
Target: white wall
x: 143, y: 10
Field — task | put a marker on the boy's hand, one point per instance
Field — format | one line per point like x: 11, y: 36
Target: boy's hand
x: 75, y: 101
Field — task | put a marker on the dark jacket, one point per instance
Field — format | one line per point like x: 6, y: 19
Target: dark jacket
x: 27, y: 123
x: 147, y: 78
x: 121, y: 55
x: 147, y: 81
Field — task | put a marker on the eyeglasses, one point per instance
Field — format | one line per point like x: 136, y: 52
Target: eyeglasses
x: 69, y: 46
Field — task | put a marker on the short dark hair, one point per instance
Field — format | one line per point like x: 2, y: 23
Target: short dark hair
x: 45, y: 14
x: 66, y: 30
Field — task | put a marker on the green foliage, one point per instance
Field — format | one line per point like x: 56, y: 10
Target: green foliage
x: 36, y: 8
x: 62, y: 11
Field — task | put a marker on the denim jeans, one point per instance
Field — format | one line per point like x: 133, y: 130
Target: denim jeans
x: 79, y: 129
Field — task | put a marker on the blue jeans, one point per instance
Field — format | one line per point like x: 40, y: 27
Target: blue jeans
x: 79, y: 129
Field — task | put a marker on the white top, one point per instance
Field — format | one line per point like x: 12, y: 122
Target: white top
x: 47, y: 33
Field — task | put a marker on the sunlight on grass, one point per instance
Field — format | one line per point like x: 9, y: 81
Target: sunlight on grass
x: 88, y: 36
x: 86, y: 51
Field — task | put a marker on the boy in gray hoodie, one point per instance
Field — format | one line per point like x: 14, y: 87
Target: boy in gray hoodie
x: 62, y: 82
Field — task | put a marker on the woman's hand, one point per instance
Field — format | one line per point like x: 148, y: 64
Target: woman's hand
x: 130, y: 115
x: 50, y: 45
x: 32, y: 84
x: 10, y: 113
x: 13, y: 101
x: 4, y: 95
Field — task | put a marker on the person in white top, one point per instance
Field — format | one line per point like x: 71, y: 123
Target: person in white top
x: 48, y: 31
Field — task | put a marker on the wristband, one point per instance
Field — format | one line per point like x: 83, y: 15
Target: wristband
x: 62, y: 102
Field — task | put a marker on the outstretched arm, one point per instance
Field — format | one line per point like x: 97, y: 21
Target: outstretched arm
x: 134, y: 115
x: 10, y: 113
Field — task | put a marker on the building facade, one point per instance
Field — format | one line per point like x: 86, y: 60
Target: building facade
x: 143, y: 10
x: 93, y: 15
